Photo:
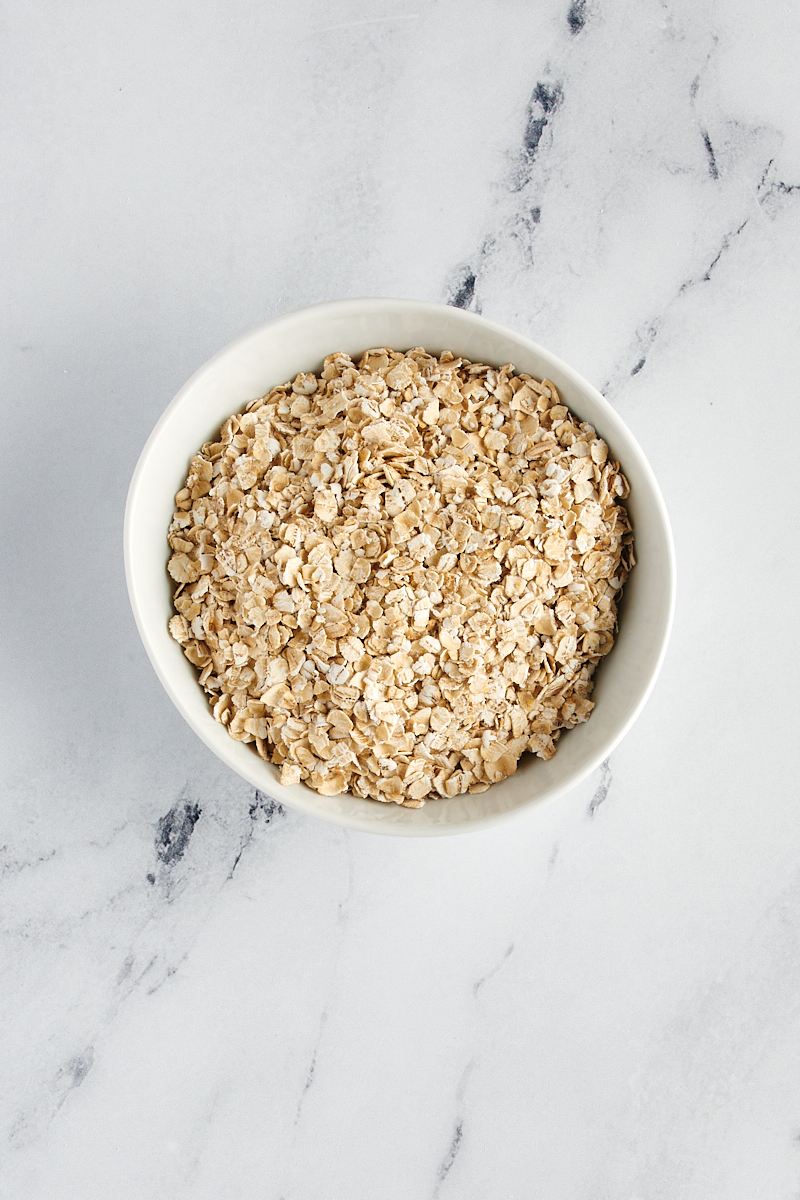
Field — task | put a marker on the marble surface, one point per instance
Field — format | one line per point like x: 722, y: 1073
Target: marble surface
x: 206, y: 996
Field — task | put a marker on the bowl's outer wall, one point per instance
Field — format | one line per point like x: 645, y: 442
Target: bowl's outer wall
x: 299, y: 341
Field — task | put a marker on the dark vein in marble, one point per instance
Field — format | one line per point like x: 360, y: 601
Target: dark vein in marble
x: 245, y: 842
x: 145, y: 970
x: 545, y: 101
x: 489, y: 974
x: 647, y: 334
x: 270, y: 809
x: 719, y: 254
x: 726, y: 243
x: 171, y: 970
x: 645, y: 337
x: 770, y: 191
x: 262, y: 806
x: 341, y: 920
x: 307, y: 1084
x: 28, y: 1124
x: 242, y: 849
x: 713, y: 169
x: 786, y: 189
x: 543, y: 104
x: 12, y: 866
x: 81, y: 1066
x: 174, y: 831
x: 764, y: 175
x: 312, y: 1067
x: 602, y: 790
x: 178, y: 826
x: 141, y: 964
x: 125, y: 970
x: 458, y: 1132
x: 450, y: 1157
x: 576, y: 17
x: 73, y: 1073
x: 463, y: 293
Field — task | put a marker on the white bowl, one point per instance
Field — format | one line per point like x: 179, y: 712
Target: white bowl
x: 275, y: 352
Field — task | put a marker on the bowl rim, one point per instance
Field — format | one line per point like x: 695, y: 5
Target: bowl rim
x: 357, y: 306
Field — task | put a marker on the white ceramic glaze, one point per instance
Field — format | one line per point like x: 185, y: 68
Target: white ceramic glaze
x: 299, y: 341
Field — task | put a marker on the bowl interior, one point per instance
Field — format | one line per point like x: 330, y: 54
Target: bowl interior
x: 275, y: 352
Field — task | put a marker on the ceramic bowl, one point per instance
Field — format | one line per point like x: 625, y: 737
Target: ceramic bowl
x: 298, y: 341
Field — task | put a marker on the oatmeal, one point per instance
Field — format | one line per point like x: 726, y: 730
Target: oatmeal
x: 397, y: 577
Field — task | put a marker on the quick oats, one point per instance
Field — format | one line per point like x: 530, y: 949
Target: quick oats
x: 395, y: 578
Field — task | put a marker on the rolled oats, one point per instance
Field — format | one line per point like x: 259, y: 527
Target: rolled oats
x: 395, y: 578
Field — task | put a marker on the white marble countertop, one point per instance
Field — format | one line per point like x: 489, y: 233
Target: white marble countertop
x: 204, y: 996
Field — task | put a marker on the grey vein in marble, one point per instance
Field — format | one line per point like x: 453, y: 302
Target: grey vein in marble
x: 447, y: 1163
x: 490, y: 974
x: 601, y: 791
x: 576, y: 17
x: 175, y: 829
x: 311, y: 1068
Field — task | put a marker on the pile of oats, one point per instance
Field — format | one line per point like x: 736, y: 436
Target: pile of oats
x: 398, y: 577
